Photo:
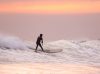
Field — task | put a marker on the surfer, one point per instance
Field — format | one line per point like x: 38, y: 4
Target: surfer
x: 39, y: 42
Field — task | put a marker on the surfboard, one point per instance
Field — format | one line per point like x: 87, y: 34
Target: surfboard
x: 51, y: 50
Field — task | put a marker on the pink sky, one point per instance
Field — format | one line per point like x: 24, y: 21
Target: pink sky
x: 50, y: 7
x: 63, y: 19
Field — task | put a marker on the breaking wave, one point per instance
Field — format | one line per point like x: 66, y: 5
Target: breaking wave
x: 14, y: 49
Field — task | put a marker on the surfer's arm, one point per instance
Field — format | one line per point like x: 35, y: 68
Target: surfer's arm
x: 42, y: 40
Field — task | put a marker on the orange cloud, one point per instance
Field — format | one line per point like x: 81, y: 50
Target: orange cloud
x: 51, y: 7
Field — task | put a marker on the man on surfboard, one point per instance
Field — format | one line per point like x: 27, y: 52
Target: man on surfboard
x: 39, y: 42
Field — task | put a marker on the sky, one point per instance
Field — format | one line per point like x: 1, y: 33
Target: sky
x: 49, y: 6
x: 56, y: 19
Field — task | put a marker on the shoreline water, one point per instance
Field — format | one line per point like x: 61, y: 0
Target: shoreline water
x: 40, y: 68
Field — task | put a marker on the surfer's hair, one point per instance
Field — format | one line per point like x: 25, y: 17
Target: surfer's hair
x: 41, y: 34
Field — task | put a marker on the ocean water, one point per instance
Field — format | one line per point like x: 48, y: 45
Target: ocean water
x: 16, y: 50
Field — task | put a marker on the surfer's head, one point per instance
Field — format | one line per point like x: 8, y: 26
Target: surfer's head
x: 41, y: 35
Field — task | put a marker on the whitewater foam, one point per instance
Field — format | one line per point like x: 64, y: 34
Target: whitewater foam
x: 82, y: 52
x: 11, y: 42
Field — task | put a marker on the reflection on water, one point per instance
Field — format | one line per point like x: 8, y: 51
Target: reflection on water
x: 41, y: 68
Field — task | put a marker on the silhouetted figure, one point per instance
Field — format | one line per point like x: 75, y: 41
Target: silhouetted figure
x: 39, y: 42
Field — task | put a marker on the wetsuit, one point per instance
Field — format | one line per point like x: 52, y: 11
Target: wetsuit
x: 38, y: 43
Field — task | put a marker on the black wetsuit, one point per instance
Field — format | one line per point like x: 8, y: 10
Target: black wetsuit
x: 38, y: 43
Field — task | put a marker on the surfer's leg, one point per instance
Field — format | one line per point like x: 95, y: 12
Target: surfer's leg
x: 41, y: 47
x: 36, y: 47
